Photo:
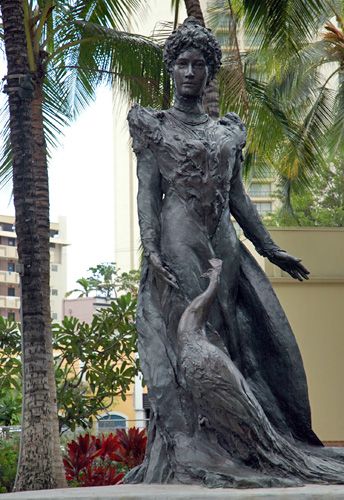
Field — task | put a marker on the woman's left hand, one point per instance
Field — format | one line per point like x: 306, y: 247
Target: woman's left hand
x: 290, y: 264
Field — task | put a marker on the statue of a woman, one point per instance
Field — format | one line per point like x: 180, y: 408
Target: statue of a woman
x: 229, y: 407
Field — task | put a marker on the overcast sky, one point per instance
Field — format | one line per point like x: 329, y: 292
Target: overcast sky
x: 81, y: 188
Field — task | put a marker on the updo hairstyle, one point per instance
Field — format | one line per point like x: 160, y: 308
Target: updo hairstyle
x: 191, y: 34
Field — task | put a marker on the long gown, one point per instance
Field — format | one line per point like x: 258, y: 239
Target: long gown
x: 189, y: 186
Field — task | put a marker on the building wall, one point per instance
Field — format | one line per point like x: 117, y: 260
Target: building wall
x: 9, y: 277
x: 58, y: 268
x: 316, y: 314
x: 84, y: 308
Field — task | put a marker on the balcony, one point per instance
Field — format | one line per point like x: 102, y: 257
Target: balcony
x: 9, y: 302
x: 9, y: 277
x: 8, y: 252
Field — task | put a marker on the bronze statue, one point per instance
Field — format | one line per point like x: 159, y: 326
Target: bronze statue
x: 226, y: 382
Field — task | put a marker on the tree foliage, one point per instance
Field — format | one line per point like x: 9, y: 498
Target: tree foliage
x: 321, y: 205
x: 276, y: 75
x: 106, y: 280
x: 94, y: 363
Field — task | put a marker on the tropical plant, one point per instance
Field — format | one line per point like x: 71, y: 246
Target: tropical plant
x: 129, y: 282
x: 321, y: 205
x: 94, y: 363
x: 80, y: 454
x: 264, y: 40
x: 84, y: 290
x: 9, y: 452
x: 10, y: 408
x: 106, y: 280
x: 96, y: 461
x: 57, y: 53
x: 132, y: 447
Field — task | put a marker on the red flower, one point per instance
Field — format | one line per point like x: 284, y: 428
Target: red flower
x: 100, y: 475
x: 132, y: 446
x: 90, y: 461
x: 80, y: 454
x: 109, y: 445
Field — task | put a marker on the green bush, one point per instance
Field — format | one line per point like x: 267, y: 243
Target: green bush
x: 9, y: 451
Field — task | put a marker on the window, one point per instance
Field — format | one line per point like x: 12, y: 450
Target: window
x: 54, y: 316
x: 52, y: 245
x: 11, y: 291
x: 54, y: 291
x: 11, y: 242
x: 11, y: 267
x: 264, y: 208
x: 260, y: 190
x: 111, y: 422
x: 54, y: 267
x: 11, y: 316
x: 7, y: 227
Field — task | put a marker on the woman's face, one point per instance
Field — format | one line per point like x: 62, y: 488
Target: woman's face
x: 190, y: 73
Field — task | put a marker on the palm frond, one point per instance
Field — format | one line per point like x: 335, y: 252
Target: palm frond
x: 336, y: 135
x: 5, y: 151
x: 133, y: 62
x: 284, y: 24
x: 56, y: 111
x: 107, y: 13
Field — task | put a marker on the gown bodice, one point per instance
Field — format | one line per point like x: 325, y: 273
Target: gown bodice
x: 196, y: 162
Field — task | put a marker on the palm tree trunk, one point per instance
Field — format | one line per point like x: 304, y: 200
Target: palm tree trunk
x: 40, y: 463
x: 193, y: 8
x: 211, y: 94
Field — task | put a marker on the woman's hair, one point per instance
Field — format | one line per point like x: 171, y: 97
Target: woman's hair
x: 191, y: 34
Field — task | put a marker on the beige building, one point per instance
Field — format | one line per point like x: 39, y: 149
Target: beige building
x: 316, y: 314
x: 9, y: 277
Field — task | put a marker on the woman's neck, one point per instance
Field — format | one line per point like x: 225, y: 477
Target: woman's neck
x: 188, y: 105
x: 189, y: 110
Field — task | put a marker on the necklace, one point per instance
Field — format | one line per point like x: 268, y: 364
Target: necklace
x: 191, y: 119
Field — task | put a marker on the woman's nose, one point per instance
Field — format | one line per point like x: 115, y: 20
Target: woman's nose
x: 189, y: 70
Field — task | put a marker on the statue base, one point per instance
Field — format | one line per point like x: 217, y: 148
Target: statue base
x: 179, y: 492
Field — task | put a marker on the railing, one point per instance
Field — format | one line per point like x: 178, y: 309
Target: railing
x: 7, y: 431
x: 9, y: 302
x: 111, y: 425
x: 9, y: 277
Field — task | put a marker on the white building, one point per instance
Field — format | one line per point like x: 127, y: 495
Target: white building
x: 9, y: 277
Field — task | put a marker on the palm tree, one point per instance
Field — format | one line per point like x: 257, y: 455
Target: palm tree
x: 56, y: 56
x: 86, y: 287
x: 285, y: 134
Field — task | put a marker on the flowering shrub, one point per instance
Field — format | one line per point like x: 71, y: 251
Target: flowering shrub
x: 132, y: 447
x: 104, y: 460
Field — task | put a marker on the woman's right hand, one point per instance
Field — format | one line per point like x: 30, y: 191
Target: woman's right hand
x: 164, y: 273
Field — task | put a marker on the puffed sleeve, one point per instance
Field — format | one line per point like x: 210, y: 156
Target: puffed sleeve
x: 145, y: 133
x: 240, y: 204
